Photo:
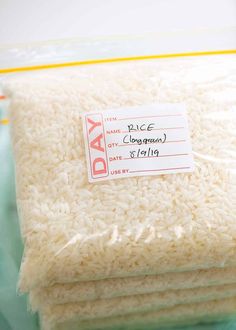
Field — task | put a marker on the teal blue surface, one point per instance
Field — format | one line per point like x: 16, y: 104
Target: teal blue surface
x: 13, y: 308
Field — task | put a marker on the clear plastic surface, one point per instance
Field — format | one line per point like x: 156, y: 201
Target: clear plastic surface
x: 62, y: 293
x: 78, y: 231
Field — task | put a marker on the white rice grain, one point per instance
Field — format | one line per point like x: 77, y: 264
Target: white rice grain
x: 209, y: 311
x: 121, y: 287
x: 120, y: 306
x: 68, y: 224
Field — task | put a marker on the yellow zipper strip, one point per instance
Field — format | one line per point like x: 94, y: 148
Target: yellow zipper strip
x: 4, y: 121
x: 115, y: 59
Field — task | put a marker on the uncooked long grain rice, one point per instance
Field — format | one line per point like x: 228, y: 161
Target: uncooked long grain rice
x: 112, y: 288
x: 74, y: 230
x: 182, y: 314
x: 134, y: 304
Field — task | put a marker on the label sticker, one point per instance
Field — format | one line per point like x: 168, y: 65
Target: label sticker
x: 143, y: 140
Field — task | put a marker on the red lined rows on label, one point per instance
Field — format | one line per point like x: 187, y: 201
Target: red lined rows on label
x: 143, y: 117
x: 166, y: 138
x: 155, y: 129
x: 136, y: 144
x: 171, y: 155
x: 162, y: 169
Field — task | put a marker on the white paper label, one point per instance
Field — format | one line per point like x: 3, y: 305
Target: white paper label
x: 142, y: 140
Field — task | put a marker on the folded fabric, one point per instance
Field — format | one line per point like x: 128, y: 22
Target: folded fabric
x: 134, y: 304
x: 208, y: 311
x: 112, y: 288
x: 79, y: 231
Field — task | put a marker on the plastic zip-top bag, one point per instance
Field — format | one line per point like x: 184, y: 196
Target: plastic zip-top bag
x: 125, y: 160
x: 62, y: 293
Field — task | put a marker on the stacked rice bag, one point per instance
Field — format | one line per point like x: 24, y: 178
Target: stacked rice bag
x: 135, y: 252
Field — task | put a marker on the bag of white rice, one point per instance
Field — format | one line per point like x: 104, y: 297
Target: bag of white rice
x: 179, y: 219
x: 208, y: 311
x: 122, y: 287
x: 134, y: 304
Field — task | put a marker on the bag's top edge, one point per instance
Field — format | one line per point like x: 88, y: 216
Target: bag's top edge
x: 113, y: 60
x: 81, y: 51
